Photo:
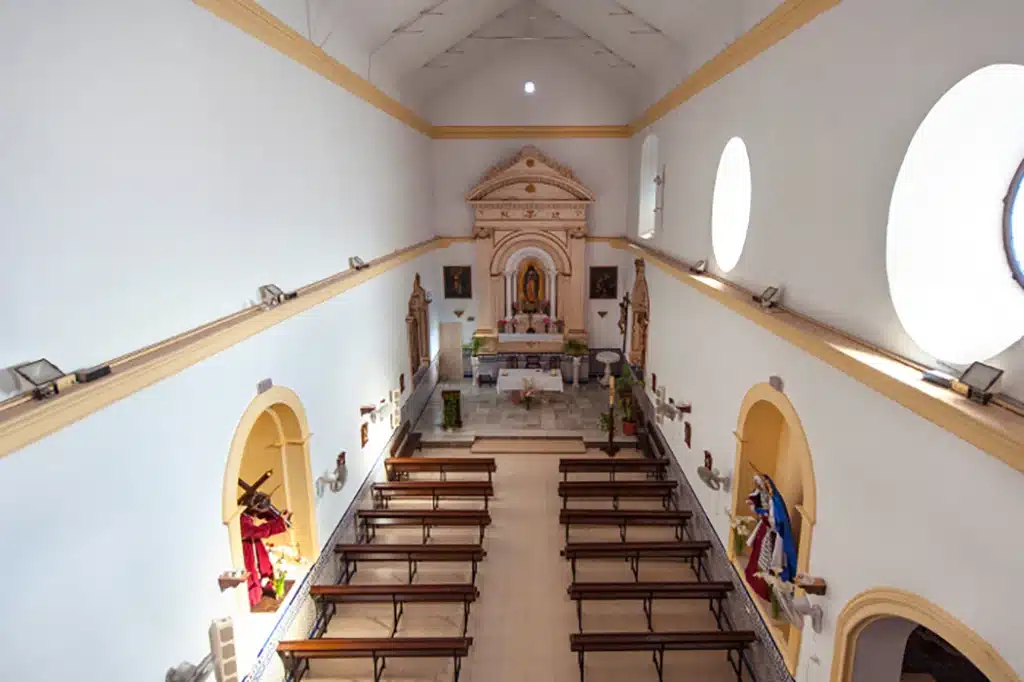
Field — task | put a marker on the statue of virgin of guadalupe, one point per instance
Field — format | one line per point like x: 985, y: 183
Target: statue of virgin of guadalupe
x: 772, y: 547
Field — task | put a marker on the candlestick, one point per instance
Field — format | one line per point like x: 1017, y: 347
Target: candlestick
x: 611, y: 392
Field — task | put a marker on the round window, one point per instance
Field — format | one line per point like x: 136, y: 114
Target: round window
x: 950, y: 232
x: 730, y: 205
x: 1013, y: 225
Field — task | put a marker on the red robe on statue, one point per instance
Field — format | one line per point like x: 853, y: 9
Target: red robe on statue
x: 257, y: 561
x: 758, y: 585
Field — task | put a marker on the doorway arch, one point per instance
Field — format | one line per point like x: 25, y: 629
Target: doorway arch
x: 273, y: 433
x: 881, y: 603
x: 771, y: 440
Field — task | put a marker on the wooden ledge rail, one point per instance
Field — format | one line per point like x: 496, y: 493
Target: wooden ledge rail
x: 991, y: 428
x: 24, y: 420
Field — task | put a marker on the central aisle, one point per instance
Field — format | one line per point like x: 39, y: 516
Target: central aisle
x: 521, y: 625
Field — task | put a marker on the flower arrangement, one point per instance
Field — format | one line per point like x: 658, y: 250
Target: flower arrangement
x: 528, y: 393
x: 779, y: 589
x: 742, y: 527
x: 547, y: 323
x: 501, y: 324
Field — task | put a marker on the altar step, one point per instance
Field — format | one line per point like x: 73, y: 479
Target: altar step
x: 483, y: 445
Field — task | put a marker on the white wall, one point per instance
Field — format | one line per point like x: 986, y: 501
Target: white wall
x: 827, y: 116
x: 567, y: 93
x: 601, y: 165
x: 115, y: 538
x: 901, y: 502
x: 159, y: 165
x: 604, y: 332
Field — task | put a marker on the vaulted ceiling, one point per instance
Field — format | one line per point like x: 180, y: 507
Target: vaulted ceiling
x: 415, y: 49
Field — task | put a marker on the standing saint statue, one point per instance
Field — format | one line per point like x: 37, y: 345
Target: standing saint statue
x: 258, y: 522
x: 531, y: 290
x: 772, y: 547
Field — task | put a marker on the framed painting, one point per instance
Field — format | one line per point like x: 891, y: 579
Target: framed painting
x: 458, y: 281
x: 604, y: 282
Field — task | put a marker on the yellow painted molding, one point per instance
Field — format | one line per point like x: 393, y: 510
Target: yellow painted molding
x: 781, y: 23
x: 250, y: 17
x: 993, y: 429
x: 887, y: 602
x: 529, y: 132
x: 24, y: 421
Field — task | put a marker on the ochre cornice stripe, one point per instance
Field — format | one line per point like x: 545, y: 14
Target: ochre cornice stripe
x: 993, y: 429
x: 24, y: 420
x: 250, y: 17
x: 783, y: 21
x: 528, y: 132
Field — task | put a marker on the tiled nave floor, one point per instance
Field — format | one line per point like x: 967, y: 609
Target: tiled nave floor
x: 522, y: 621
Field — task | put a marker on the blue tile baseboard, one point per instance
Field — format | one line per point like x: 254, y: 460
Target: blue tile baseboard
x: 299, y: 614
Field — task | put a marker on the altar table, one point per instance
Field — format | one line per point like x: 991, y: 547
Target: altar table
x: 543, y: 380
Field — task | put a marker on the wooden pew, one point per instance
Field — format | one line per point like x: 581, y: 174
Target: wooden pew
x: 714, y: 592
x: 624, y: 518
x: 435, y: 491
x: 659, y: 642
x: 611, y: 466
x: 351, y: 555
x: 327, y: 598
x: 617, y: 490
x: 296, y: 654
x: 687, y: 550
x: 400, y: 467
x: 369, y: 520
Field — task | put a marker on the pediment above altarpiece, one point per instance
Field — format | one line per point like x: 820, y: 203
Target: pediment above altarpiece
x: 530, y: 186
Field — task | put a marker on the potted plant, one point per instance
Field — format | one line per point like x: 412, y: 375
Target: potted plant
x: 574, y: 348
x: 450, y: 417
x: 604, y: 422
x: 628, y: 422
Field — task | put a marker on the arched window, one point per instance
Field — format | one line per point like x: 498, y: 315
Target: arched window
x: 650, y: 164
x: 1013, y: 225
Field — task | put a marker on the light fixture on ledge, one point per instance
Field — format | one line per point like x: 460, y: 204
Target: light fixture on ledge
x: 977, y: 381
x: 459, y: 313
x: 699, y: 268
x: 602, y: 313
x: 356, y: 263
x: 43, y: 376
x: 333, y: 480
x: 271, y: 295
x: 710, y: 475
x: 769, y: 298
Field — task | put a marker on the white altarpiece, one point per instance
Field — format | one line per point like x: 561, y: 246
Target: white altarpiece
x: 529, y: 229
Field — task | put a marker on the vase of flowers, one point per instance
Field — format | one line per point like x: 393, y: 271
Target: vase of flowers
x: 547, y: 325
x: 529, y: 391
x: 742, y: 526
x: 501, y: 325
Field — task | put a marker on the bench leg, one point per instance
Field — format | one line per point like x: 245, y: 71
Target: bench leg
x: 739, y: 664
x: 622, y: 531
x: 426, y: 532
x: 475, y: 566
x: 565, y: 502
x: 615, y: 503
x: 465, y: 617
x: 458, y: 668
x: 413, y: 568
x: 702, y: 570
x: 347, y: 570
x: 679, y: 532
x: 648, y: 604
x: 435, y: 499
x: 659, y: 663
x: 573, y: 562
x: 634, y: 565
x: 567, y: 533
x: 378, y: 671
x: 579, y: 656
x: 611, y: 475
x: 397, y: 609
x: 487, y: 502
x: 444, y: 474
x: 579, y: 614
x: 481, y: 533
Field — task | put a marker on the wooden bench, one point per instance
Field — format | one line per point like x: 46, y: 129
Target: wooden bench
x: 687, y: 550
x: 369, y: 520
x: 659, y: 642
x: 400, y: 467
x: 351, y: 555
x: 611, y: 466
x: 625, y: 518
x: 296, y: 654
x: 433, y: 490
x: 714, y: 592
x: 616, y: 490
x: 327, y: 598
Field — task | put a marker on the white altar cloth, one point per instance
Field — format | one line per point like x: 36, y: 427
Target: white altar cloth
x: 541, y: 338
x: 543, y: 380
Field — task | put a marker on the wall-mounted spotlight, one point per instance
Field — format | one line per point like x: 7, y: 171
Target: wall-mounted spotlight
x: 769, y: 298
x: 710, y: 476
x: 356, y: 263
x: 43, y: 376
x: 976, y: 383
x: 699, y: 268
x: 271, y: 295
x: 333, y: 480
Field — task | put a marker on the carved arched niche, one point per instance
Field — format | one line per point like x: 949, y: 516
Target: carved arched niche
x: 771, y: 440
x: 273, y: 434
x: 878, y: 606
x: 527, y: 202
x: 417, y: 324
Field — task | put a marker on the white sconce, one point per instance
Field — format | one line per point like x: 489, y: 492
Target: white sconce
x: 710, y: 475
x: 333, y: 480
